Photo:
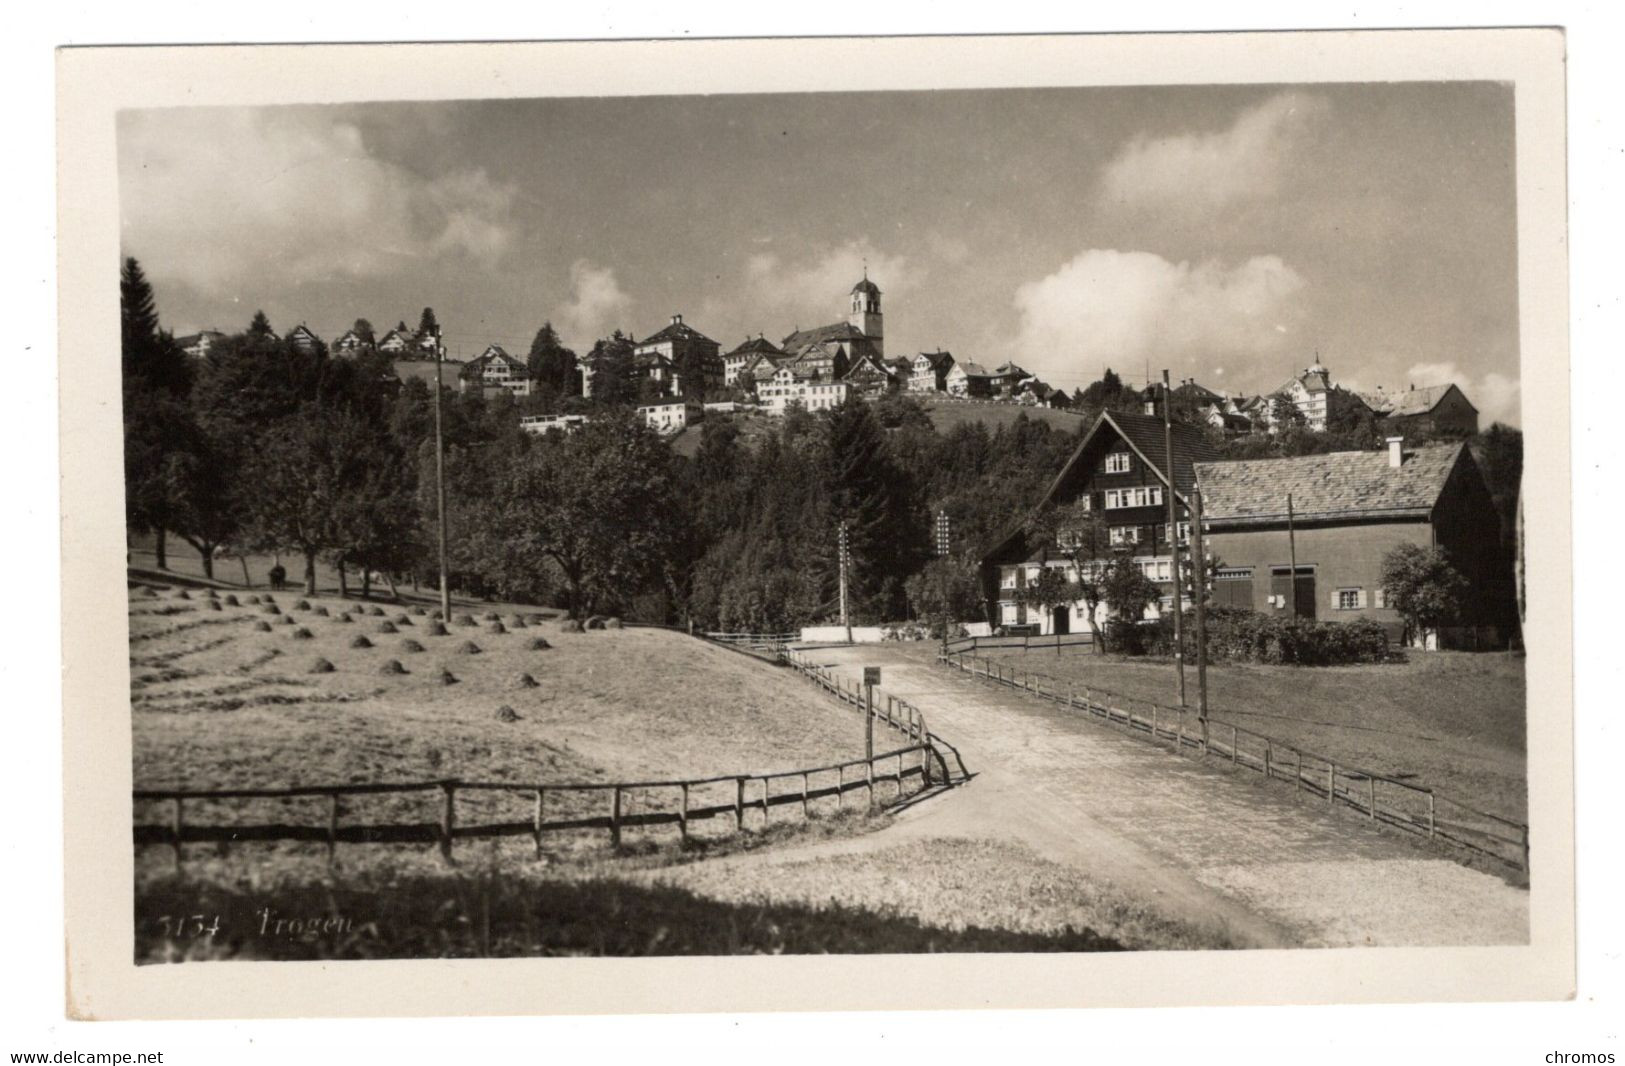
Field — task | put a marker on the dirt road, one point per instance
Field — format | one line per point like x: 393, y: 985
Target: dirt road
x: 1207, y: 843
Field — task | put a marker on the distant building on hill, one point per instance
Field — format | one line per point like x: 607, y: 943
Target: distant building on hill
x: 928, y: 371
x: 494, y: 368
x: 1429, y: 411
x: 734, y: 364
x: 199, y: 344
x: 686, y: 361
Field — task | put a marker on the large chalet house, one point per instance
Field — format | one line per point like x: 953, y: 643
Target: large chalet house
x: 685, y: 361
x: 494, y: 369
x: 737, y: 364
x: 403, y: 343
x: 928, y: 371
x: 969, y: 380
x: 1336, y: 515
x: 1119, y: 471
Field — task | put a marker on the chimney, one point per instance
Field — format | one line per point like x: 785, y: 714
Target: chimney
x: 677, y: 320
x: 1396, y: 452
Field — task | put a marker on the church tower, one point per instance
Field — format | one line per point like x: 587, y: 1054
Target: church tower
x: 865, y: 316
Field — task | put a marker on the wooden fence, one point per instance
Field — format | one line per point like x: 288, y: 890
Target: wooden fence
x: 1022, y: 641
x: 797, y: 789
x: 1380, y: 797
x: 755, y: 641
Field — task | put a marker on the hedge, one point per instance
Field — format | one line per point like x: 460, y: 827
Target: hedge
x: 1239, y: 635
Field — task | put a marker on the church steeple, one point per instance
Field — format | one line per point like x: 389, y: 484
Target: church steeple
x: 865, y: 315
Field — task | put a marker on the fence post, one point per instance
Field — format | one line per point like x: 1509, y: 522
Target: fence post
x: 1235, y: 745
x: 1525, y: 835
x: 332, y: 828
x: 1267, y: 754
x: 765, y: 790
x: 1331, y: 782
x: 448, y: 818
x: 682, y: 815
x: 539, y: 794
x: 1371, y: 795
x: 176, y: 824
x: 1179, y: 732
x: 615, y: 818
x: 1430, y: 815
x: 840, y: 787
x: 1297, y: 763
x: 899, y: 775
x: 1155, y: 732
x: 739, y: 804
x: 806, y: 804
x: 869, y: 779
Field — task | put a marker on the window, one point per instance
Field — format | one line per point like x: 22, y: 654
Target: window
x: 1381, y: 599
x: 1349, y: 599
x: 1117, y: 463
x: 1144, y: 496
x: 1122, y: 535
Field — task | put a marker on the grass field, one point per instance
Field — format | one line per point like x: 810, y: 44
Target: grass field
x: 217, y: 703
x: 946, y: 414
x: 1451, y: 720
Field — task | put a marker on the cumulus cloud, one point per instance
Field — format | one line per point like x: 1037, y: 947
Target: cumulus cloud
x: 1494, y: 394
x: 219, y: 198
x: 811, y: 291
x: 596, y: 308
x: 1122, y: 309
x: 1196, y: 172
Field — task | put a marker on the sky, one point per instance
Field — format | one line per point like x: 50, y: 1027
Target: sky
x: 1231, y: 234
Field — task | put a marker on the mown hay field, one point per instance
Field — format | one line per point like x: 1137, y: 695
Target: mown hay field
x: 228, y: 696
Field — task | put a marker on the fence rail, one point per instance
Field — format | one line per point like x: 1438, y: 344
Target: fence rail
x: 1022, y: 641
x: 1411, y: 807
x: 752, y: 792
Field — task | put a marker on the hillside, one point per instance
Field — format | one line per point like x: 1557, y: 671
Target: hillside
x: 946, y: 414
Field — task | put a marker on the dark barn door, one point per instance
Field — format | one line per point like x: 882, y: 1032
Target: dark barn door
x: 1281, y: 585
x: 1233, y: 587
x: 1063, y: 621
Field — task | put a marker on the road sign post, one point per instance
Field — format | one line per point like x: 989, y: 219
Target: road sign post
x: 871, y: 678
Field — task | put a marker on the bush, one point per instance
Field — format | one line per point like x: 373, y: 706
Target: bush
x: 1239, y: 635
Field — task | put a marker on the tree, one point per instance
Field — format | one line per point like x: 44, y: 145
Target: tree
x: 427, y: 324
x: 260, y: 326
x: 600, y: 505
x: 1079, y: 534
x: 1049, y: 590
x: 156, y: 380
x: 364, y: 332
x: 868, y: 493
x: 205, y: 492
x: 1422, y: 585
x: 944, y: 586
x: 306, y: 475
x: 551, y: 363
x: 1128, y: 592
x: 614, y: 372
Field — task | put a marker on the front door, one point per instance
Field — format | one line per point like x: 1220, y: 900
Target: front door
x: 1063, y: 620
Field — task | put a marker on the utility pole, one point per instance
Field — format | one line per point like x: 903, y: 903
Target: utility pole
x: 1199, y: 585
x: 844, y: 552
x: 1173, y: 536
x: 943, y: 546
x: 440, y: 479
x: 1292, y: 554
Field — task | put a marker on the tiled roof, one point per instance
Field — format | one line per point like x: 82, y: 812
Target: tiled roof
x: 1417, y: 401
x: 757, y: 344
x: 976, y: 370
x: 835, y: 331
x: 676, y: 331
x: 1338, y: 485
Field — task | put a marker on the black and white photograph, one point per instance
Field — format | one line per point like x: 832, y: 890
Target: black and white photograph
x: 1079, y: 520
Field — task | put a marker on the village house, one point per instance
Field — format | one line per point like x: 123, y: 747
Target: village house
x: 1340, y: 514
x: 302, y: 339
x: 869, y: 375
x: 685, y: 361
x: 669, y: 418
x: 198, y: 344
x: 786, y: 388
x: 928, y: 372
x: 1119, y: 472
x: 1434, y: 410
x: 540, y: 424
x: 352, y: 343
x: 398, y: 341
x: 494, y: 368
x: 969, y: 380
x: 736, y: 363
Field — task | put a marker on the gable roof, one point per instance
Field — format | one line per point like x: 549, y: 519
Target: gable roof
x: 1144, y: 436
x: 754, y: 345
x: 191, y: 339
x: 835, y: 331
x: 974, y: 370
x: 1337, y: 485
x: 1421, y: 401
x: 676, y: 331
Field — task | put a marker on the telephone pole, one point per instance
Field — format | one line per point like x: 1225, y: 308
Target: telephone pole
x: 845, y: 554
x: 1199, y: 585
x: 1173, y: 536
x: 943, y: 544
x: 440, y: 479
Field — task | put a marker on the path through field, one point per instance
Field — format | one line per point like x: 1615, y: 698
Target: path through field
x: 1208, y: 844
